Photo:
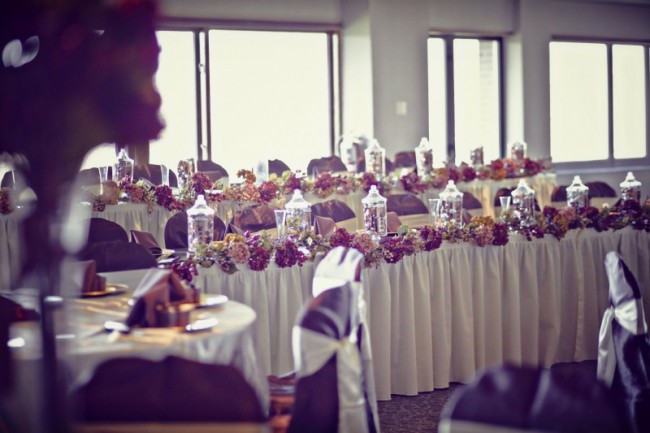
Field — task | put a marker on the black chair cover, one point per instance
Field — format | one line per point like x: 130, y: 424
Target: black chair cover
x: 213, y: 170
x: 118, y: 256
x: 405, y: 159
x: 600, y: 189
x: 328, y: 163
x: 559, y: 194
x: 255, y: 218
x: 405, y: 204
x: 527, y: 398
x: 102, y: 230
x: 171, y: 390
x: 316, y: 407
x: 277, y: 167
x: 471, y: 202
x: 631, y: 382
x: 152, y: 172
x: 335, y: 209
x: 176, y: 231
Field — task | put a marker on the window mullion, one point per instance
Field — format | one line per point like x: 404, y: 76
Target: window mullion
x: 610, y: 104
x: 207, y: 142
x: 451, y: 118
x: 199, y: 99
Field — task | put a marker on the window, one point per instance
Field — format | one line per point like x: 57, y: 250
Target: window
x: 598, y: 100
x: 269, y: 97
x: 465, y: 110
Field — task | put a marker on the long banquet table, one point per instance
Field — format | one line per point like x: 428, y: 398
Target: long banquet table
x: 441, y: 316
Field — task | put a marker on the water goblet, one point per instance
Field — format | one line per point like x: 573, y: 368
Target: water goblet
x: 103, y: 177
x: 505, y: 205
x: 434, y: 210
x: 164, y: 175
x: 280, y: 222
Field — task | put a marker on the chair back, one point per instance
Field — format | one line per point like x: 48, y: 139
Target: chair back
x: 522, y: 399
x: 405, y: 204
x: 170, y: 390
x: 624, y: 343
x: 405, y: 159
x: 176, y: 231
x: 153, y: 173
x: 328, y: 163
x: 213, y: 170
x: 600, y: 193
x: 255, y: 218
x: 118, y: 256
x: 335, y: 209
x: 277, y: 167
x: 103, y: 230
x: 559, y: 197
x: 472, y: 205
x: 329, y: 390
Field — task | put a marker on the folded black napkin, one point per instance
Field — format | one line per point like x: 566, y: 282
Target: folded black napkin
x: 147, y: 240
x: 157, y: 291
x: 79, y: 277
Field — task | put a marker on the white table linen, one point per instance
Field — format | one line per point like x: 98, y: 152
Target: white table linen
x: 440, y: 317
x: 82, y: 345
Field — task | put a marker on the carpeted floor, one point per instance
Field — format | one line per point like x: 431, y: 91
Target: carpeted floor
x: 421, y: 413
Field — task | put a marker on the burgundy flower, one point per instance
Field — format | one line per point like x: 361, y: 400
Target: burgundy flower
x: 393, y: 250
x: 468, y: 172
x: 268, y: 191
x: 500, y: 234
x: 431, y: 237
x: 287, y: 254
x: 340, y: 237
x: 259, y: 259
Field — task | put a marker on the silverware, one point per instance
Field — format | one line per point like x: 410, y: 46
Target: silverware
x: 201, y: 325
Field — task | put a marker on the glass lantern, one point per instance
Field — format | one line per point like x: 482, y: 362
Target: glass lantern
x: 123, y: 166
x: 351, y: 148
x: 630, y: 188
x: 451, y: 205
x: 375, y: 220
x: 424, y: 158
x: 298, y: 215
x: 577, y: 194
x: 200, y: 224
x: 523, y: 203
x: 518, y: 150
x: 476, y: 156
x: 376, y: 159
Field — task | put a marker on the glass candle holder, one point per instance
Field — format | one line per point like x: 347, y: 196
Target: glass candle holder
x: 630, y: 188
x: 451, y: 205
x: 577, y: 194
x: 424, y: 158
x: 376, y: 159
x: 375, y: 220
x: 523, y: 203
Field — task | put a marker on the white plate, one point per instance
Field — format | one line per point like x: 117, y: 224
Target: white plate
x: 212, y: 301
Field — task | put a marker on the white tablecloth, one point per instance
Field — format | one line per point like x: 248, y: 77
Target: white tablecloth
x: 82, y: 346
x: 442, y: 316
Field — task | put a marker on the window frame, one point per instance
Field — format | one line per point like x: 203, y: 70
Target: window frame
x: 448, y: 40
x: 610, y: 164
x: 201, y: 27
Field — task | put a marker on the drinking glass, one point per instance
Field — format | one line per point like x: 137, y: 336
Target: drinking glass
x: 164, y: 173
x: 103, y: 177
x: 434, y: 210
x: 280, y: 220
x: 505, y: 205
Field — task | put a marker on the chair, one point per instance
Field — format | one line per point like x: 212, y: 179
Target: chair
x: 176, y: 231
x: 519, y: 399
x: 153, y: 173
x: 329, y: 163
x: 409, y: 208
x: 277, y: 167
x: 114, y: 256
x: 329, y: 389
x: 600, y: 193
x: 624, y: 343
x: 255, y: 218
x: 335, y: 209
x: 88, y: 176
x: 151, y: 395
x: 473, y: 206
x: 211, y: 169
x: 405, y: 159
x: 103, y: 230
x: 558, y: 197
